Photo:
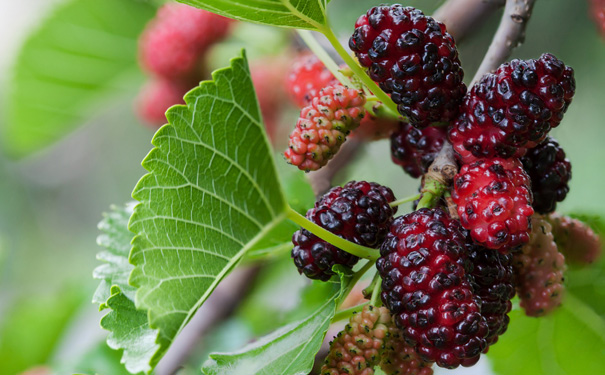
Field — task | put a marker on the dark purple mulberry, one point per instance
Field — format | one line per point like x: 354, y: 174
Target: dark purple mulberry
x: 494, y: 284
x: 512, y: 109
x: 550, y: 172
x: 414, y: 59
x: 426, y: 285
x: 415, y: 149
x: 358, y: 212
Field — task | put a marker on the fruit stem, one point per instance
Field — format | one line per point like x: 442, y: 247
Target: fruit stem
x: 431, y: 192
x: 375, y: 301
x: 405, y: 200
x: 322, y: 55
x: 347, y: 313
x: 358, y: 70
x: 378, y: 109
x: 373, y: 290
x: 348, y: 246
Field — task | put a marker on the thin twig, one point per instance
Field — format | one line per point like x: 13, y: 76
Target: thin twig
x: 464, y: 16
x: 321, y: 180
x: 510, y: 34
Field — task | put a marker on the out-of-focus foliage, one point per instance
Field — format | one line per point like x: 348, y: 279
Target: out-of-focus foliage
x: 33, y: 326
x: 82, y: 55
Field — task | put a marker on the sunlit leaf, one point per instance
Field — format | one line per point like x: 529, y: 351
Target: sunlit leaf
x: 301, y: 14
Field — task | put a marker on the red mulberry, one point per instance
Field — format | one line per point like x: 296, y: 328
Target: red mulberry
x: 494, y: 202
x: 306, y: 78
x: 173, y: 42
x: 156, y: 97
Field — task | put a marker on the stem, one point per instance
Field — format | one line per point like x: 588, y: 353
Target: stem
x: 405, y: 200
x: 377, y: 109
x: 358, y: 70
x: 346, y: 314
x: 348, y: 246
x: 357, y: 276
x: 431, y: 192
x: 325, y: 58
x: 376, y: 291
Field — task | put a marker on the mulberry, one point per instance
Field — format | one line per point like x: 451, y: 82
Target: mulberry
x: 426, y: 285
x: 414, y: 59
x: 539, y: 271
x: 512, y: 109
x: 323, y: 127
x: 358, y: 212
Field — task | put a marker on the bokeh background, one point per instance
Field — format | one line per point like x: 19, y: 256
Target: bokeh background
x: 52, y: 197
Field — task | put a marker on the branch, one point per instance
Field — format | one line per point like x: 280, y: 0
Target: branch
x: 510, y: 34
x: 444, y: 168
x: 217, y: 308
x: 321, y: 181
x: 464, y: 16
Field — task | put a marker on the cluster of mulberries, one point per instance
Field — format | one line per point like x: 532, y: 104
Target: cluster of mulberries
x: 447, y: 274
x: 506, y: 116
x: 172, y: 49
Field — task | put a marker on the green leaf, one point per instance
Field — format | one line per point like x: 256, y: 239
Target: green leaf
x: 115, y: 240
x: 570, y: 341
x: 130, y: 331
x: 32, y: 326
x: 211, y: 194
x: 84, y: 53
x: 300, y: 14
x: 288, y: 351
x: 129, y: 327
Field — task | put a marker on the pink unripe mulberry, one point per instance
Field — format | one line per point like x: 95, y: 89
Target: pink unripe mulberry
x: 174, y: 41
x: 323, y: 126
x: 539, y: 271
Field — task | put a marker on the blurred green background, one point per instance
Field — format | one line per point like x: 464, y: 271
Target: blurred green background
x: 52, y: 199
